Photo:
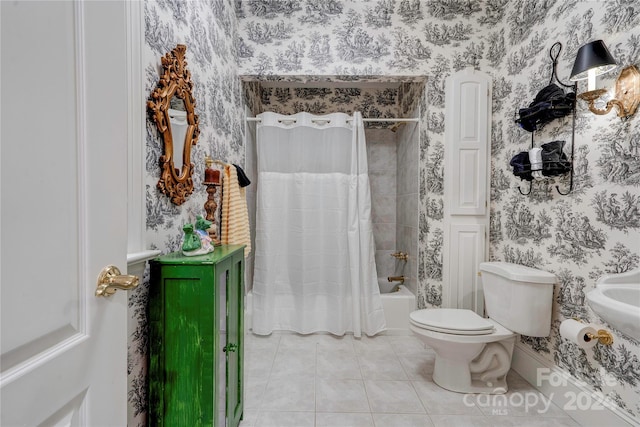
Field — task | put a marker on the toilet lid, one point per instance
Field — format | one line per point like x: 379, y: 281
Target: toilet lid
x: 452, y: 320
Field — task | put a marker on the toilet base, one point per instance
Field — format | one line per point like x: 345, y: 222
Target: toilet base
x: 470, y: 367
x: 462, y: 376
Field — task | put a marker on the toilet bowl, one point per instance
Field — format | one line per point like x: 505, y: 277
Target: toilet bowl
x: 473, y: 360
x: 473, y: 354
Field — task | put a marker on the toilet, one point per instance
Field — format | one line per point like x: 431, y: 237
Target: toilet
x: 473, y: 354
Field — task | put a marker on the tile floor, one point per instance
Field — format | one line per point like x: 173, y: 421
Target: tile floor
x: 385, y: 381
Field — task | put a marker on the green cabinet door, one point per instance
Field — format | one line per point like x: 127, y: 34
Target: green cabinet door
x: 189, y: 346
x: 235, y: 342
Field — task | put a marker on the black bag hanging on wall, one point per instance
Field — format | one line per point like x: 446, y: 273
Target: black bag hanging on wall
x: 550, y: 103
x: 554, y: 161
x: 522, y: 166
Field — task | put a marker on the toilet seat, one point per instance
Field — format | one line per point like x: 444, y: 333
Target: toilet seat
x: 451, y: 321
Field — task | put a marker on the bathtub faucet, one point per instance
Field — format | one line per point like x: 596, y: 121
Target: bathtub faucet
x: 396, y: 279
x: 400, y: 255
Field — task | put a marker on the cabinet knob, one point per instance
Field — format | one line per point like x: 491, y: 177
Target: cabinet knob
x: 230, y: 348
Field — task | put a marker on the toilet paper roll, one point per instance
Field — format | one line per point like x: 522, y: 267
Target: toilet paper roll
x: 576, y: 332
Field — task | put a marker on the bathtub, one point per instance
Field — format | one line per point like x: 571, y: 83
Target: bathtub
x: 396, y: 305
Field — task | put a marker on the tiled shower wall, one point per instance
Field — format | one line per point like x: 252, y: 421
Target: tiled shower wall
x: 381, y: 156
x: 407, y: 197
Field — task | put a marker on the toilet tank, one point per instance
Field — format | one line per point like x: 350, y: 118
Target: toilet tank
x: 518, y: 297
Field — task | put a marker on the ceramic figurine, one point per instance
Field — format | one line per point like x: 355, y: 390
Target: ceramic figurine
x: 196, y: 241
x: 202, y: 229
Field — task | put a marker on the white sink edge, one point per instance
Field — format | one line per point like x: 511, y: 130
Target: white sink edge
x: 599, y: 297
x: 626, y: 278
x: 620, y: 315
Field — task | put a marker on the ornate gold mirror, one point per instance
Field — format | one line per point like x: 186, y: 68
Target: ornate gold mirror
x: 172, y: 108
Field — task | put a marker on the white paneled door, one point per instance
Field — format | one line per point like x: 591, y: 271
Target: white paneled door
x: 63, y: 212
x: 466, y: 181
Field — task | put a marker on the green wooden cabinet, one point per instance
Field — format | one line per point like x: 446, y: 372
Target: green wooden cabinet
x: 196, y: 338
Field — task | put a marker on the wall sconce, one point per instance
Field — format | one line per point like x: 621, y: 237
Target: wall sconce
x: 594, y: 59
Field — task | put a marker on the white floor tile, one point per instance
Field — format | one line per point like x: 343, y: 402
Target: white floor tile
x: 298, y: 342
x: 375, y: 366
x: 254, y: 388
x: 324, y: 419
x: 406, y: 344
x: 418, y: 365
x: 373, y: 345
x: 539, y: 422
x: 258, y: 362
x: 397, y: 397
x: 340, y: 364
x: 518, y: 402
x: 289, y: 394
x: 386, y: 381
x: 438, y: 401
x: 249, y: 417
x: 294, y: 363
x: 467, y: 421
x: 285, y: 419
x: 514, y: 380
x: 402, y: 420
x: 499, y: 421
x: 336, y: 343
x: 341, y: 396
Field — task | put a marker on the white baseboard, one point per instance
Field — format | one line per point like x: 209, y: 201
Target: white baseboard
x: 586, y: 406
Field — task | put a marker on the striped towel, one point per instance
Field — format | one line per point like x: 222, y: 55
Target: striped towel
x: 235, y: 216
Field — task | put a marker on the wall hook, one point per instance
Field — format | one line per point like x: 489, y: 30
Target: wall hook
x: 527, y: 193
x: 570, y: 184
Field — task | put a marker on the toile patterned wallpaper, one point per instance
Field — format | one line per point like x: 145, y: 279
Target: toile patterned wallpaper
x: 394, y: 97
x: 209, y: 30
x: 591, y: 231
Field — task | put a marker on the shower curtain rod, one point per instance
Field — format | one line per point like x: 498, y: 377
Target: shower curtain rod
x: 257, y: 119
x: 388, y: 120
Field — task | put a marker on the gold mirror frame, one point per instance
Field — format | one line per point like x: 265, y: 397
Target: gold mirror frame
x: 175, y: 81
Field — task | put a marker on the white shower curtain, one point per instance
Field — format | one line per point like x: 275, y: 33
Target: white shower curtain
x: 314, y: 262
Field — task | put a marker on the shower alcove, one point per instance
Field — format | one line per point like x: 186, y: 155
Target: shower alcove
x: 393, y: 151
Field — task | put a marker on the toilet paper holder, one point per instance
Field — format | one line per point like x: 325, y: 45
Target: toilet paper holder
x: 603, y: 336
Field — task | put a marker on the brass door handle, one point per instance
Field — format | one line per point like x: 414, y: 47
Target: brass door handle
x: 110, y: 280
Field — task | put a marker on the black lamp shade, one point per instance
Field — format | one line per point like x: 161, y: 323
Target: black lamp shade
x: 592, y: 55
